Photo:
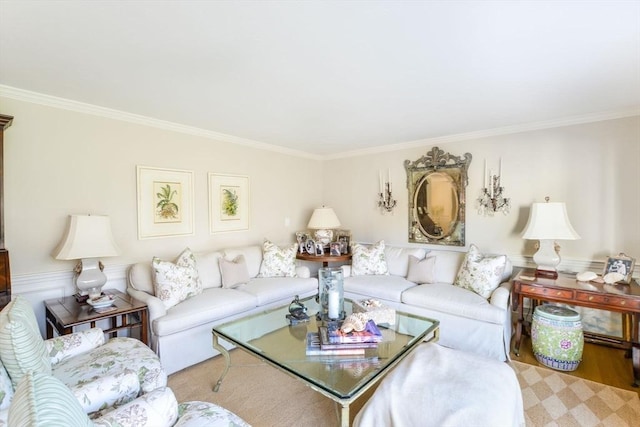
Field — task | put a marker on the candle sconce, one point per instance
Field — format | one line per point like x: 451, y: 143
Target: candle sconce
x: 385, y: 197
x: 492, y: 198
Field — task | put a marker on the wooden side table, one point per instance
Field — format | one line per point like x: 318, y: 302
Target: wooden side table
x: 63, y: 314
x: 324, y: 259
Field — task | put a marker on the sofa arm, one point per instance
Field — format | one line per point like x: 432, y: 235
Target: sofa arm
x: 66, y: 346
x: 157, y: 408
x: 106, y: 391
x: 500, y: 296
x: 155, y: 306
x: 346, y: 270
x: 303, y: 271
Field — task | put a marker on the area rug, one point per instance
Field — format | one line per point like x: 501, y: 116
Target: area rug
x: 264, y: 396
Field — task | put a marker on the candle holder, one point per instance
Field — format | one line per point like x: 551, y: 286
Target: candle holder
x: 492, y: 200
x: 386, y: 200
x: 331, y: 294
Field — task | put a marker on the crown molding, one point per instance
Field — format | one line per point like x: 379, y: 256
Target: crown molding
x: 95, y: 110
x: 524, y: 127
x: 81, y: 107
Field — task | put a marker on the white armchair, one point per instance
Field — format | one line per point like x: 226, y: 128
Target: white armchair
x: 99, y: 374
x: 43, y: 401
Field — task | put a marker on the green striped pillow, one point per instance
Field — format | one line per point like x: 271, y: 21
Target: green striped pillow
x: 22, y: 351
x: 41, y: 400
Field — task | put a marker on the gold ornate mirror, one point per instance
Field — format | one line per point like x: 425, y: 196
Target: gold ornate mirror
x: 436, y: 184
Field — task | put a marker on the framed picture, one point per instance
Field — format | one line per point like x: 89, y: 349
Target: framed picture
x: 165, y: 202
x: 344, y: 238
x: 310, y: 246
x: 301, y: 238
x: 319, y: 249
x: 622, y: 264
x: 335, y: 249
x: 228, y: 203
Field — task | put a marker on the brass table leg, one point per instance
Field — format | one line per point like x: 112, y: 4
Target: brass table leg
x: 227, y: 358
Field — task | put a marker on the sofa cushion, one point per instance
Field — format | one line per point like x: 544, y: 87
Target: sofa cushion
x: 278, y: 262
x: 453, y: 300
x: 176, y: 281
x: 397, y: 258
x: 42, y: 400
x: 22, y: 348
x: 211, y: 305
x: 368, y: 260
x: 422, y: 270
x: 480, y: 273
x: 448, y: 264
x: 201, y: 414
x: 141, y: 277
x: 386, y: 287
x: 271, y: 289
x: 209, y: 269
x: 252, y: 255
x: 233, y: 271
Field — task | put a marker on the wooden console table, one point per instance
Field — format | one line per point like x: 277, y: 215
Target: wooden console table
x: 620, y: 298
x: 324, y: 259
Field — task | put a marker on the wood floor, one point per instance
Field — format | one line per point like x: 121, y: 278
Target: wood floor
x: 600, y: 363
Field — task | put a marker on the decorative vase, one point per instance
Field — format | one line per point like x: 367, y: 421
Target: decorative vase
x: 557, y: 337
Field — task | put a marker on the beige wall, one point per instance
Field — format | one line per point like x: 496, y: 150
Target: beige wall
x: 59, y: 162
x: 594, y: 168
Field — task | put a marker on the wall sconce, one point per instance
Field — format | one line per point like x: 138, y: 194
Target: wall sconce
x: 491, y: 199
x: 386, y: 200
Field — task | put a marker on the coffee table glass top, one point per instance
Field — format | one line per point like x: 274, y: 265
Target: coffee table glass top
x: 269, y: 336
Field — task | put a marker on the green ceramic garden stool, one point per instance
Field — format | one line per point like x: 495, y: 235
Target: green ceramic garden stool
x: 556, y: 333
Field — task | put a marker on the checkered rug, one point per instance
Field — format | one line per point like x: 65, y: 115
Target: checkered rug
x: 555, y: 399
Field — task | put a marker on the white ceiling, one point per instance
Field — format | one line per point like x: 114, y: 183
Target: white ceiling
x: 324, y: 77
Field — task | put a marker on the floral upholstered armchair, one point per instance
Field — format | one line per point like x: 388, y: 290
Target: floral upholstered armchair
x: 41, y: 400
x: 99, y: 374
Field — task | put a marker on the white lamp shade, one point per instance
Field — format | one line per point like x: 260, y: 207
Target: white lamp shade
x: 549, y: 221
x: 88, y: 236
x: 323, y: 218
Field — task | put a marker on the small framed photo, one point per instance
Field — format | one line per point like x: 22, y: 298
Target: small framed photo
x: 334, y: 249
x: 622, y: 264
x: 310, y: 246
x: 344, y: 238
x: 319, y: 249
x: 301, y: 238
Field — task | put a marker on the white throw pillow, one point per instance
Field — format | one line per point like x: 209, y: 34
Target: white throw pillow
x: 176, y: 281
x: 422, y: 270
x: 368, y: 260
x: 278, y: 262
x: 233, y: 271
x: 480, y: 273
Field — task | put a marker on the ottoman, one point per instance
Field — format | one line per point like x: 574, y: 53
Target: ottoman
x: 437, y: 386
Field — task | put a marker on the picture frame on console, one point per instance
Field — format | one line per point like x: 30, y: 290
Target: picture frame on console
x: 335, y: 248
x: 344, y: 238
x: 165, y: 202
x: 622, y: 264
x: 228, y: 203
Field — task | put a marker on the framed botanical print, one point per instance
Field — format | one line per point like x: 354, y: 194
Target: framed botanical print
x: 228, y: 203
x: 165, y: 202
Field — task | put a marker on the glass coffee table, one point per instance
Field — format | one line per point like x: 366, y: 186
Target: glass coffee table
x: 268, y: 336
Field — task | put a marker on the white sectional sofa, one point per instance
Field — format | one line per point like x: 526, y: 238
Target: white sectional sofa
x: 181, y: 334
x: 468, y: 321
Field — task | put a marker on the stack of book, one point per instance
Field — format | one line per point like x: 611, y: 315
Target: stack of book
x: 330, y: 340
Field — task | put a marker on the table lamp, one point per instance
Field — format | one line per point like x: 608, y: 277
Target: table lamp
x: 88, y: 237
x: 547, y: 223
x: 323, y: 220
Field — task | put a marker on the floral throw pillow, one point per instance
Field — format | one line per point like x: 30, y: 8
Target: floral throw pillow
x: 480, y: 273
x: 368, y: 260
x: 278, y: 262
x: 176, y: 281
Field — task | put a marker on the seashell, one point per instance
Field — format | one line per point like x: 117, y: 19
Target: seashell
x: 611, y: 278
x: 354, y: 322
x: 586, y: 276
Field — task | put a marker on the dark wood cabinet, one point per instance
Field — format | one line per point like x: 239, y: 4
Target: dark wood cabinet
x: 5, y: 272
